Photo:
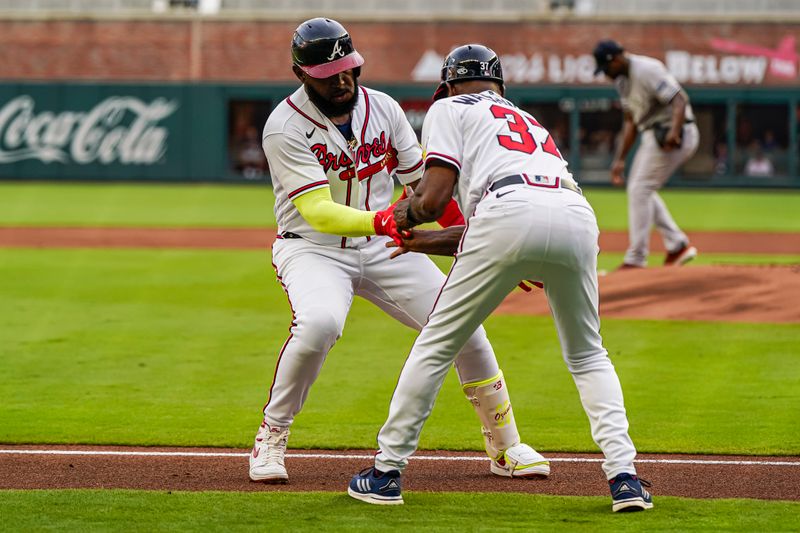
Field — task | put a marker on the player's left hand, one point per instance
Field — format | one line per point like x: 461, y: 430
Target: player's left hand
x: 385, y: 224
x: 672, y: 140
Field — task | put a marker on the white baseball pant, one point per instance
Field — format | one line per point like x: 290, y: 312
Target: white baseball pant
x: 532, y: 233
x: 320, y: 282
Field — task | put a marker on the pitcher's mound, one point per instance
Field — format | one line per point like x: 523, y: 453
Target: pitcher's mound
x: 715, y: 293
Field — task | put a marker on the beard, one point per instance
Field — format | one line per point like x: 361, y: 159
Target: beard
x: 331, y: 109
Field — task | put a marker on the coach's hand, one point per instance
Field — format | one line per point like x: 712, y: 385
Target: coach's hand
x: 385, y: 224
x: 617, y: 173
x: 442, y: 242
x: 673, y: 139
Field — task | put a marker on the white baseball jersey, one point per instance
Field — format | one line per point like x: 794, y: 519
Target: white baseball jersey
x: 528, y: 228
x: 455, y: 131
x: 306, y: 151
x: 647, y: 91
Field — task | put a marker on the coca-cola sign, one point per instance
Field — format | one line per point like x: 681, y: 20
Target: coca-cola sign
x: 120, y: 129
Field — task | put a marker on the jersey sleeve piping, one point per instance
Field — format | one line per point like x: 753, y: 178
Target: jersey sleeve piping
x: 444, y: 157
x: 308, y: 187
x: 667, y: 98
x: 412, y: 169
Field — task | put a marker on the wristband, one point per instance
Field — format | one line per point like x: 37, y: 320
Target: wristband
x: 410, y: 216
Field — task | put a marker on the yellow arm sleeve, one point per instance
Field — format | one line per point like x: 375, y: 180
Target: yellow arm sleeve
x: 326, y: 216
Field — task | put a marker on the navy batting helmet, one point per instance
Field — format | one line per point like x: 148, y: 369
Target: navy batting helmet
x: 322, y: 47
x: 472, y: 62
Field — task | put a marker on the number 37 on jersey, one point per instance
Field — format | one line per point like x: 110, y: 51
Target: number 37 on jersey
x: 521, y: 137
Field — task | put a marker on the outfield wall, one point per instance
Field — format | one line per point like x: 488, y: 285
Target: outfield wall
x: 185, y: 98
x: 211, y: 131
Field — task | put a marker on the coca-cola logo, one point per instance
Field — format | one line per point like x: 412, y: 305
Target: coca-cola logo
x: 119, y: 129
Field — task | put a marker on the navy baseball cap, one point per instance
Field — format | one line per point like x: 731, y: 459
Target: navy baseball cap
x: 604, y: 52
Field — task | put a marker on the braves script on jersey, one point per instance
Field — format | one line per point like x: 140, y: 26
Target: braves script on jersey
x: 306, y: 151
x: 515, y: 143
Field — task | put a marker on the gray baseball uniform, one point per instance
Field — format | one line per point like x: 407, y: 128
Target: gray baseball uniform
x: 646, y: 94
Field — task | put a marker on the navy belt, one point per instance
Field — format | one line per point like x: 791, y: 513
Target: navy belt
x: 518, y: 179
x: 289, y: 235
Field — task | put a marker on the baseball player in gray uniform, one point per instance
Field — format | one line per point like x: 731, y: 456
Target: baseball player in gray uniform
x: 333, y: 148
x: 528, y: 221
x: 655, y: 105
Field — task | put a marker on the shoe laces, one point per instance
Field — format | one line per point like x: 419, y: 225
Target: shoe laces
x: 276, y: 445
x: 366, y: 471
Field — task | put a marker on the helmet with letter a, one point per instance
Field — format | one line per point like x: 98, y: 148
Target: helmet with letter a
x: 321, y: 47
x: 469, y: 62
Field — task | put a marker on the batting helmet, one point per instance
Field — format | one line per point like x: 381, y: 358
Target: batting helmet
x: 322, y: 47
x: 472, y: 62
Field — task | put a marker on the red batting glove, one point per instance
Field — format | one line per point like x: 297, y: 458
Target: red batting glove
x: 384, y: 224
x: 452, y: 216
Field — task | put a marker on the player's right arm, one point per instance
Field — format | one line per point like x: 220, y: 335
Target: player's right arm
x: 326, y: 216
x: 628, y: 138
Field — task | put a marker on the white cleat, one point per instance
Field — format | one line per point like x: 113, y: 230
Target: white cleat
x: 522, y: 461
x: 266, y: 459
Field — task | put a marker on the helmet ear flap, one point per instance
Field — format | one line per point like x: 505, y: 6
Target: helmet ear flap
x: 441, y: 91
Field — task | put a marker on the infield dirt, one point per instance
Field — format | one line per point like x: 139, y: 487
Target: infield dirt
x: 441, y: 471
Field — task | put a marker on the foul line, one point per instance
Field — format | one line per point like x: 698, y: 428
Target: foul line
x: 370, y: 456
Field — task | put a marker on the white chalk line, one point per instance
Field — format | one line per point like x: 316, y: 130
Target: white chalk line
x: 300, y: 455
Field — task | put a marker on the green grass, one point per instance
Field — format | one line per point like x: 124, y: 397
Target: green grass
x: 178, y: 348
x: 608, y: 261
x: 70, y: 204
x: 115, y: 510
x: 708, y: 209
x: 119, y: 204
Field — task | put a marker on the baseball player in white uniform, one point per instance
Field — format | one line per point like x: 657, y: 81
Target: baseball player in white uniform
x: 529, y: 221
x: 333, y: 147
x: 657, y: 106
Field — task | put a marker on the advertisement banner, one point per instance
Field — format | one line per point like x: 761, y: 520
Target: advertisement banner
x: 98, y: 131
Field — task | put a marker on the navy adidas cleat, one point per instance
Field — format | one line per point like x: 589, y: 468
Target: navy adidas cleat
x: 373, y: 486
x: 628, y: 494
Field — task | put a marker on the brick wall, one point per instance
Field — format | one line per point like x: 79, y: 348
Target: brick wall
x: 259, y: 51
